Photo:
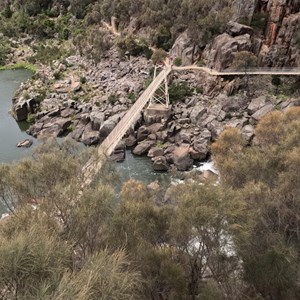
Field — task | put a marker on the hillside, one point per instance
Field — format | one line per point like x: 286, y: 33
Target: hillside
x: 230, y: 236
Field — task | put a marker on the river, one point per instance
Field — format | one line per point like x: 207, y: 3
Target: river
x: 12, y: 132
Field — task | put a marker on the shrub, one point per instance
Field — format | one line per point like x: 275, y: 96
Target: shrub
x: 113, y: 98
x: 178, y: 91
x: 259, y: 21
x: 178, y: 61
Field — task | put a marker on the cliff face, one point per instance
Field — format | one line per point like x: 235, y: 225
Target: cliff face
x: 275, y: 47
x: 280, y: 36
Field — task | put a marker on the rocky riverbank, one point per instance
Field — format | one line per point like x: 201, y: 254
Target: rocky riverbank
x: 85, y: 101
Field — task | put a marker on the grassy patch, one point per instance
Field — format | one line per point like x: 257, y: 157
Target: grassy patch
x: 20, y: 65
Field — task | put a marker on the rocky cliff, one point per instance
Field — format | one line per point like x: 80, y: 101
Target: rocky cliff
x: 274, y: 37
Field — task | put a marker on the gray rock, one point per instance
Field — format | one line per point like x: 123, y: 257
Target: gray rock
x: 77, y: 132
x: 106, y: 128
x: 142, y: 133
x: 197, y: 112
x: 75, y: 86
x: 143, y: 147
x: 201, y: 145
x: 119, y: 153
x: 97, y: 119
x: 183, y: 48
x: 256, y: 104
x: 130, y: 141
x: 221, y: 52
x: 55, y: 130
x: 155, y: 151
x: 160, y: 164
x: 182, y: 159
x: 162, y: 136
x: 67, y: 112
x: 35, y: 129
x: 183, y: 137
x: 25, y: 144
x: 235, y: 29
x: 21, y: 111
x: 248, y: 132
x: 262, y: 112
x: 90, y: 136
x: 54, y: 112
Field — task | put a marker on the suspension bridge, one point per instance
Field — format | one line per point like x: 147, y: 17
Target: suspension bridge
x: 157, y: 93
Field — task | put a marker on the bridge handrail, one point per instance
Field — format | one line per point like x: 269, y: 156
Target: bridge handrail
x: 264, y: 69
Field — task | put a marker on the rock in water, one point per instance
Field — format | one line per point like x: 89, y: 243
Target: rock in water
x: 25, y: 144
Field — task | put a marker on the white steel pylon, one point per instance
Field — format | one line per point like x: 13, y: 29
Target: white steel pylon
x: 161, y: 96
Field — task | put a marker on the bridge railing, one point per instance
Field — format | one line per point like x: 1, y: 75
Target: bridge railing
x: 268, y: 69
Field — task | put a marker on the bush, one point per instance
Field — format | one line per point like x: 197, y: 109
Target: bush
x: 5, y: 49
x: 178, y: 61
x: 112, y: 99
x: 178, y: 91
x: 159, y: 56
x: 259, y: 21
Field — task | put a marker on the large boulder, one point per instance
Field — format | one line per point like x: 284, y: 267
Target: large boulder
x: 262, y: 112
x: 183, y: 48
x: 201, y: 145
x: 106, y: 128
x: 197, y: 112
x: 182, y: 159
x: 155, y: 151
x: 183, y: 137
x: 236, y: 29
x: 244, y: 9
x: 90, y: 136
x: 221, y: 52
x: 21, y: 111
x: 256, y: 104
x: 142, y: 133
x: 160, y: 164
x: 97, y: 119
x: 119, y: 152
x: 143, y: 147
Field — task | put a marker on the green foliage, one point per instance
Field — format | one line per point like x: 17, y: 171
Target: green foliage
x: 93, y: 43
x: 47, y: 54
x: 5, y: 49
x: 30, y: 118
x: 112, y: 99
x: 265, y: 182
x: 21, y: 65
x: 6, y: 12
x: 158, y: 56
x: 178, y: 61
x: 179, y: 91
x: 244, y: 60
x: 129, y: 44
x: 259, y: 21
x: 105, y: 276
x: 31, y: 259
x: 162, y: 38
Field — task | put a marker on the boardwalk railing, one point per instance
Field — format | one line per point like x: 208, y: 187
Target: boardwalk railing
x: 248, y: 71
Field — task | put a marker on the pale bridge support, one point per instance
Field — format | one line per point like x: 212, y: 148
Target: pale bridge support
x: 159, y: 107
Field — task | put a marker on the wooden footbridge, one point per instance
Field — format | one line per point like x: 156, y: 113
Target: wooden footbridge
x: 159, y: 82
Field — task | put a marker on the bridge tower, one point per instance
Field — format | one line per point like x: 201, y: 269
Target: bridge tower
x: 159, y: 107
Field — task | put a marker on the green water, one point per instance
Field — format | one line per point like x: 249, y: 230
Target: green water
x: 11, y: 132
